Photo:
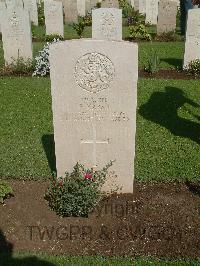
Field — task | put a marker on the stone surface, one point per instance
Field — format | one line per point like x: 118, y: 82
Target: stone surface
x: 2, y: 10
x: 94, y: 97
x: 81, y: 7
x: 14, y: 3
x: 107, y: 24
x: 110, y: 4
x: 31, y: 6
x: 167, y: 10
x: 53, y: 11
x: 71, y: 11
x: 142, y: 6
x: 136, y: 5
x: 151, y: 12
x: 16, y: 35
x: 192, y: 45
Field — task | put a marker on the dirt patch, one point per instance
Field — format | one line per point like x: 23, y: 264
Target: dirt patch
x: 167, y: 74
x: 158, y: 219
x: 161, y: 74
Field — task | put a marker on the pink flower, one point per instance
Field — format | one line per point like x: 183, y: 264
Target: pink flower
x: 88, y: 176
x: 60, y: 183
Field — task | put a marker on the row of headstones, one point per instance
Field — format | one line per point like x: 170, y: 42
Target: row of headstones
x: 107, y: 25
x: 164, y: 12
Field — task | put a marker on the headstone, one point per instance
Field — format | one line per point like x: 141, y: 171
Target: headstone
x: 192, y: 45
x: 107, y: 24
x: 2, y: 10
x: 151, y: 12
x: 142, y: 6
x: 94, y: 97
x: 132, y: 3
x: 53, y: 11
x: 31, y: 6
x: 110, y: 4
x: 71, y: 11
x: 136, y: 5
x: 16, y: 35
x: 14, y: 3
x: 81, y: 7
x: 167, y: 10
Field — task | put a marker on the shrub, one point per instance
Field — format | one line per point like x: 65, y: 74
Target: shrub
x: 127, y: 9
x: 78, y: 193
x: 19, y: 66
x: 5, y: 190
x: 52, y: 37
x: 193, y: 68
x: 42, y: 66
x: 88, y: 19
x: 139, y: 32
x: 79, y: 27
x: 153, y: 63
x: 41, y: 17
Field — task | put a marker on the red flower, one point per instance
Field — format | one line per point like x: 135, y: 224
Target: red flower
x: 60, y: 183
x: 88, y: 176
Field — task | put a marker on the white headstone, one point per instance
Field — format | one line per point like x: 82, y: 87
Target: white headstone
x: 167, y: 10
x: 14, y: 3
x: 2, y: 10
x: 16, y: 35
x: 142, y: 6
x: 110, y: 4
x: 192, y: 45
x: 136, y: 5
x: 151, y: 11
x: 31, y: 6
x: 107, y: 24
x: 53, y: 11
x: 71, y: 11
x: 94, y: 97
x: 81, y: 7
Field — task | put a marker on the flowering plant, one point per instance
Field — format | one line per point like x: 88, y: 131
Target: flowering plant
x: 78, y: 192
x: 42, y: 65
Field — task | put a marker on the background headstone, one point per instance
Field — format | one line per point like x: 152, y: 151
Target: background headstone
x: 192, y: 45
x: 31, y: 6
x: 110, y: 4
x: 2, y: 10
x: 107, y: 24
x: 94, y: 97
x: 167, y: 10
x: 16, y: 35
x: 136, y: 5
x: 53, y: 11
x: 81, y: 7
x: 71, y: 11
x: 151, y: 12
x: 142, y: 6
x: 14, y: 3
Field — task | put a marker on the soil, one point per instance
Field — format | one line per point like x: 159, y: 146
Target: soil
x: 158, y: 219
x: 167, y: 74
x: 161, y: 74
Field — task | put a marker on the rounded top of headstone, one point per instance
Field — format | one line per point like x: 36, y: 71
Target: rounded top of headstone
x: 94, y: 72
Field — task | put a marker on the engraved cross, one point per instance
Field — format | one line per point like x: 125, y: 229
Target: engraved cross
x: 94, y: 142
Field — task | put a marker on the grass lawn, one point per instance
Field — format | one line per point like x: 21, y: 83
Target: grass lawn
x: 167, y: 129
x: 45, y: 260
x: 170, y: 53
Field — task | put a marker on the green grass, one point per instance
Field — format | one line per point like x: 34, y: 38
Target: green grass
x: 170, y: 54
x: 167, y: 145
x: 168, y: 130
x: 33, y: 259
